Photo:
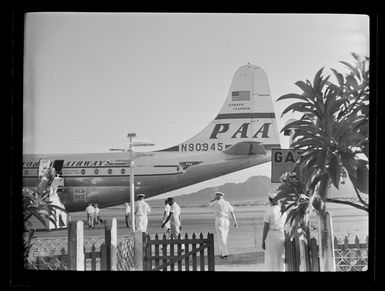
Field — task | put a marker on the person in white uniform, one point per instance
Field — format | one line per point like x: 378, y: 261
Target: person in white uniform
x: 90, y: 211
x: 222, y: 209
x: 273, y: 240
x: 142, y: 209
x: 166, y: 213
x: 174, y: 218
x: 97, y: 215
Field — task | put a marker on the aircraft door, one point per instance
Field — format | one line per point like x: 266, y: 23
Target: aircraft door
x: 58, y: 165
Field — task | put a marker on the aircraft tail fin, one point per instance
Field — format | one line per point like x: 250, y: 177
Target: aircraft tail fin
x: 246, y: 116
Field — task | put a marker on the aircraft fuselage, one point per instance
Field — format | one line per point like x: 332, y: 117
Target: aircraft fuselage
x: 240, y: 136
x: 92, y: 177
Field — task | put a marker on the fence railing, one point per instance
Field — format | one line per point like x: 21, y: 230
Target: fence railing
x: 303, y: 254
x: 351, y: 256
x: 55, y: 262
x: 126, y: 255
x: 181, y: 253
x: 101, y: 253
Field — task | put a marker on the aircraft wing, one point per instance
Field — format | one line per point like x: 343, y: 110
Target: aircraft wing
x: 246, y: 148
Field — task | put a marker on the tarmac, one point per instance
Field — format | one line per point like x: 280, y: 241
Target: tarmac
x: 244, y: 243
x: 246, y: 262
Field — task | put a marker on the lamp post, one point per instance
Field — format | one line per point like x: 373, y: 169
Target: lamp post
x: 132, y: 157
x: 132, y: 180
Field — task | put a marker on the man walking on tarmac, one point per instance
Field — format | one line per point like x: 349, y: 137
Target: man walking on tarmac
x: 142, y: 209
x: 97, y: 217
x: 222, y: 210
x: 166, y: 213
x: 90, y: 211
x: 174, y: 218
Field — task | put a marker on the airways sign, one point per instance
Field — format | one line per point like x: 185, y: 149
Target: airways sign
x: 282, y: 160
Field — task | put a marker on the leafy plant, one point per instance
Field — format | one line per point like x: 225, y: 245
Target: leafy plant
x: 294, y: 200
x: 38, y: 206
x: 333, y: 135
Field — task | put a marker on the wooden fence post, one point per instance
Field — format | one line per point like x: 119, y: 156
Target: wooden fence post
x: 139, y: 245
x: 156, y: 251
x: 164, y: 251
x: 107, y: 242
x: 210, y: 252
x: 172, y: 252
x: 113, y: 246
x: 148, y: 253
x: 108, y: 250
x: 179, y: 251
x: 103, y: 257
x: 75, y: 246
x: 201, y: 255
x: 194, y: 256
x: 93, y: 258
x: 186, y: 249
x: 104, y: 248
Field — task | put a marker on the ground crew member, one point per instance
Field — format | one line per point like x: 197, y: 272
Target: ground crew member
x: 97, y: 216
x: 166, y: 213
x: 127, y: 214
x: 142, y: 209
x: 273, y: 240
x: 174, y: 218
x: 222, y: 210
x: 90, y: 211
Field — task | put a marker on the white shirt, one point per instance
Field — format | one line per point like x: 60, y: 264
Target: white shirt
x: 90, y: 209
x: 97, y: 211
x: 166, y: 211
x: 222, y: 208
x: 274, y: 218
x: 175, y: 212
x: 128, y: 209
x: 142, y: 208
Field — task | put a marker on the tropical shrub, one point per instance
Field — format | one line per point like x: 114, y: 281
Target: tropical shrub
x: 333, y: 135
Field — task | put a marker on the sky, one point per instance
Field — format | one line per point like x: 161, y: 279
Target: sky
x: 91, y: 78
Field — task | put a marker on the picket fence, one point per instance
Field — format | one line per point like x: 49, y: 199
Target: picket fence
x: 303, y: 255
x: 180, y: 253
x: 100, y: 256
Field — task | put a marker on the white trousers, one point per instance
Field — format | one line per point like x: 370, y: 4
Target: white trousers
x: 175, y: 229
x: 141, y: 222
x: 275, y: 249
x: 167, y: 229
x: 222, y: 225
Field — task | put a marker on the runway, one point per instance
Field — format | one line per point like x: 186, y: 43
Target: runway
x: 246, y: 239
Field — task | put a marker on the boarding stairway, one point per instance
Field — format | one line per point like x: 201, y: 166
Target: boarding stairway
x: 50, y: 183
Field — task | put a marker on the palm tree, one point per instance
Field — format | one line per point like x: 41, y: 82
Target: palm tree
x: 333, y: 136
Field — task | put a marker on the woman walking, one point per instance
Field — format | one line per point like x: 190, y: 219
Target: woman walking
x: 273, y: 241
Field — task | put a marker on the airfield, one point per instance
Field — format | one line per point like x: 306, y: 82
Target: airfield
x: 244, y: 243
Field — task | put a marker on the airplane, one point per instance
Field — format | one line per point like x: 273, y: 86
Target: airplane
x: 240, y: 136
